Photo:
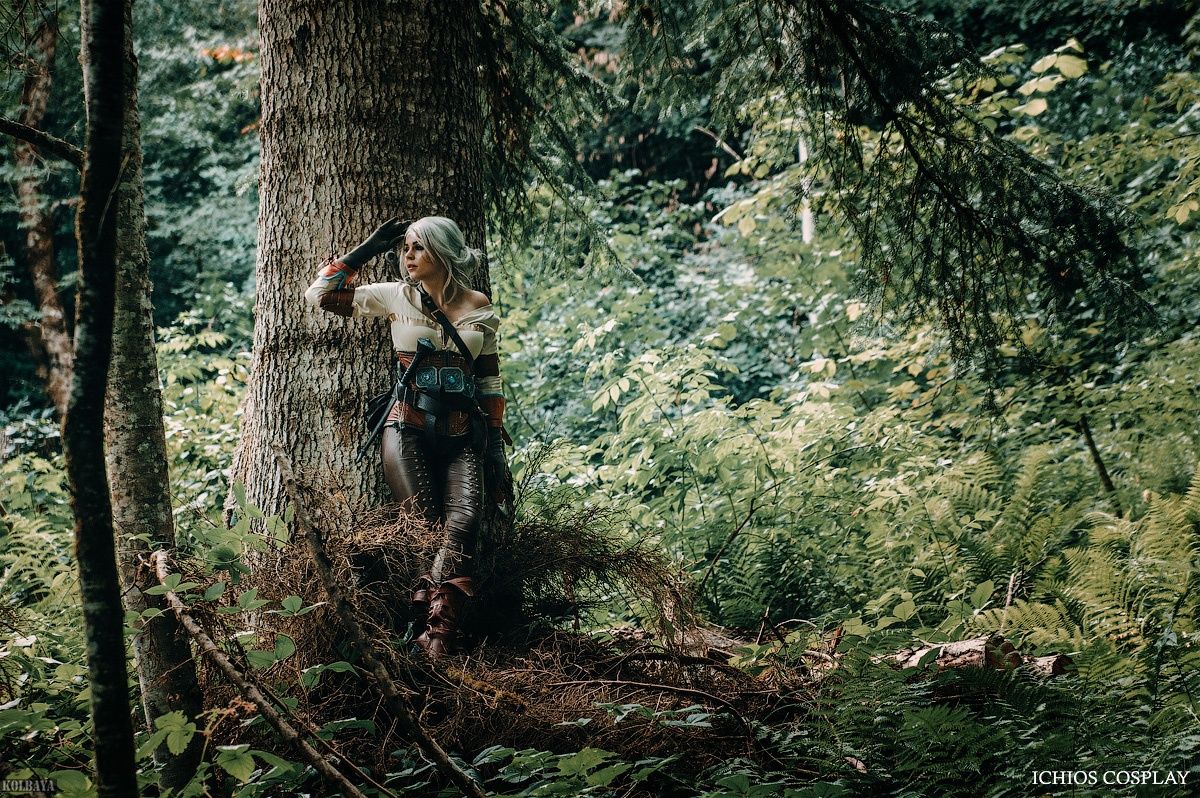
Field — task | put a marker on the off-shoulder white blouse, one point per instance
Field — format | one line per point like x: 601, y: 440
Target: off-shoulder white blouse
x: 400, y: 303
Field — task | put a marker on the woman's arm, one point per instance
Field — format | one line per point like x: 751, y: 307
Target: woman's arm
x: 487, y: 381
x: 333, y: 290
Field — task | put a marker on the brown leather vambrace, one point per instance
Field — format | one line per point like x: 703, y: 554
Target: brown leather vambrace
x: 340, y: 302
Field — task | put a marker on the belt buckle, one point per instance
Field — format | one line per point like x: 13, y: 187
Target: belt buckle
x: 453, y: 380
x: 426, y: 378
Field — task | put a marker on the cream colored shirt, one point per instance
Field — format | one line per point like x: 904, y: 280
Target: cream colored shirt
x: 400, y: 303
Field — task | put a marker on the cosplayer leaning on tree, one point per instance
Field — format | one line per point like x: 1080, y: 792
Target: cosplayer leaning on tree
x: 447, y: 425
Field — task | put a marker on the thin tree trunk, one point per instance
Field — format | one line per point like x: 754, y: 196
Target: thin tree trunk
x: 83, y: 438
x: 369, y: 110
x: 136, y: 453
x: 49, y: 341
x: 1098, y: 461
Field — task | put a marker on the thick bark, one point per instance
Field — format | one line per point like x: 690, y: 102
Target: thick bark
x: 83, y: 438
x: 136, y: 452
x: 369, y: 110
x: 49, y: 341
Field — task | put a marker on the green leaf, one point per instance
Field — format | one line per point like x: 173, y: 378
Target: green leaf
x: 284, y: 647
x: 215, y: 591
x: 177, y: 740
x: 239, y: 493
x: 310, y: 676
x: 1043, y: 63
x: 152, y: 743
x: 169, y: 585
x: 249, y: 600
x: 236, y: 761
x: 71, y: 782
x: 583, y: 761
x: 982, y: 593
x: 492, y: 754
x: 172, y: 721
x: 605, y: 776
x: 1071, y: 66
x: 1032, y: 108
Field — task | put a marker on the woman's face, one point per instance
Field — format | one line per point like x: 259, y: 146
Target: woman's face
x: 418, y: 261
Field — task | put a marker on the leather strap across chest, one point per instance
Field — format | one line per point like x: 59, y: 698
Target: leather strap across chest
x: 433, y: 310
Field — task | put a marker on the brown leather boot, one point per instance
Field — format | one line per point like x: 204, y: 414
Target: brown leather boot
x: 420, y: 604
x: 446, y: 600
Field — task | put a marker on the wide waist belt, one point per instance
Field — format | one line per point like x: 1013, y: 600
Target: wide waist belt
x: 440, y: 397
x: 442, y: 357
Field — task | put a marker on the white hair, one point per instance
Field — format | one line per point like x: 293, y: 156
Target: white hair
x: 445, y: 242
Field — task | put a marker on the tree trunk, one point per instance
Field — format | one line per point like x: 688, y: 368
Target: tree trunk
x: 369, y: 110
x: 49, y: 341
x: 136, y: 452
x: 103, y: 28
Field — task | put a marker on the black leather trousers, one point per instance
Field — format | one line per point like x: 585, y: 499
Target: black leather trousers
x: 440, y: 482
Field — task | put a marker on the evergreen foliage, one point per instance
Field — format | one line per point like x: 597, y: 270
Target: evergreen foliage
x: 952, y: 220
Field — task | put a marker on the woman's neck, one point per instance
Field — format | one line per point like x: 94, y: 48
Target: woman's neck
x: 436, y: 291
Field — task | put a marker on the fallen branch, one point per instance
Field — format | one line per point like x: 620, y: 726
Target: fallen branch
x: 667, y: 656
x: 312, y: 729
x: 392, y: 695
x: 265, y: 708
x: 992, y: 652
x: 1050, y: 665
x: 487, y: 689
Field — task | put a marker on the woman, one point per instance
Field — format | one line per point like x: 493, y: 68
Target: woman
x: 449, y: 421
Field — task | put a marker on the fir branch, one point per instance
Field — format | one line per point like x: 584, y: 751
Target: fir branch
x: 953, y: 221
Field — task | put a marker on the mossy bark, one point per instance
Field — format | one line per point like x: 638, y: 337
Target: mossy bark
x: 49, y: 339
x: 83, y: 437
x: 136, y: 453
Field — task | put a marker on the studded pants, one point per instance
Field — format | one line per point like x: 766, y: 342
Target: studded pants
x: 442, y: 482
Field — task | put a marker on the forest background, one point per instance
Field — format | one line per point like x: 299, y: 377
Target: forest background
x: 723, y: 378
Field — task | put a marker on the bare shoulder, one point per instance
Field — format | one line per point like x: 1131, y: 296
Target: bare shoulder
x: 476, y: 300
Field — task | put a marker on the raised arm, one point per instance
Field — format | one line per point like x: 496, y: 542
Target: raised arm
x: 333, y: 289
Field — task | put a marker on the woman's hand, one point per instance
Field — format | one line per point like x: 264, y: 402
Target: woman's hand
x: 380, y: 241
x: 495, y: 464
x: 388, y: 233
